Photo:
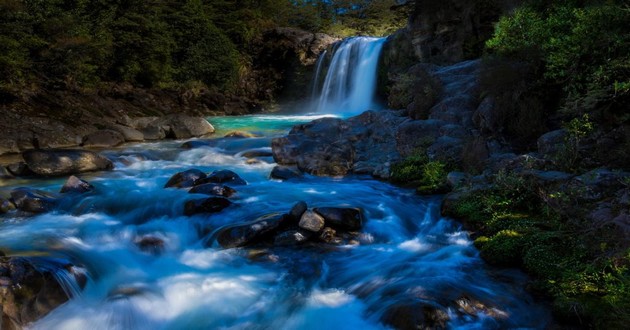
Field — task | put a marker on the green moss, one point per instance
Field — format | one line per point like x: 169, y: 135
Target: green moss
x: 502, y: 249
x: 418, y: 170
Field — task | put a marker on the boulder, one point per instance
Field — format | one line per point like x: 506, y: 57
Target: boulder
x: 76, y: 185
x: 549, y: 144
x: 329, y: 235
x: 223, y: 176
x: 291, y: 238
x: 415, y: 315
x: 456, y: 179
x: 29, y: 289
x: 240, y: 135
x: 212, y: 189
x: 283, y: 172
x: 446, y: 149
x: 486, y: 118
x: 311, y: 221
x: 255, y: 153
x: 297, y: 210
x: 19, y: 169
x: 179, y: 126
x: 129, y: 134
x: 105, y: 138
x: 418, y: 134
x: 250, y: 233
x: 6, y: 206
x: 32, y: 200
x: 57, y: 162
x: 342, y: 217
x: 206, y: 205
x: 185, y: 179
x: 152, y: 133
x: 150, y: 244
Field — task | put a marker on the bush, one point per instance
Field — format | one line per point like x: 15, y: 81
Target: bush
x: 429, y: 176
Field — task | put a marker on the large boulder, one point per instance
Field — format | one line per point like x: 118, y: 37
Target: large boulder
x: 342, y: 217
x: 214, y: 189
x: 33, y: 200
x: 283, y: 172
x: 6, y: 206
x: 29, y: 289
x: 57, y: 162
x: 550, y: 143
x: 206, y: 205
x: 223, y: 176
x: 311, y: 221
x: 185, y: 179
x: 104, y: 138
x: 130, y: 134
x: 250, y: 233
x: 179, y: 126
x: 76, y: 185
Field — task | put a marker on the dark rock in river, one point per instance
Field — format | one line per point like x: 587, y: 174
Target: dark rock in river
x: 104, y: 138
x: 185, y: 179
x: 29, y: 290
x: 56, y: 162
x: 206, y: 205
x: 415, y: 315
x: 343, y: 218
x: 180, y: 126
x: 150, y: 244
x: 283, y: 172
x: 297, y: 210
x: 223, y: 176
x: 291, y: 237
x: 32, y: 200
x: 76, y: 185
x: 212, y: 189
x: 197, y: 144
x: 240, y: 135
x: 6, y: 206
x: 311, y: 221
x: 255, y: 153
x: 250, y: 233
x: 19, y: 169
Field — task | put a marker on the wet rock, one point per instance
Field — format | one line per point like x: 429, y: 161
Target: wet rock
x: 152, y: 133
x: 150, y: 244
x: 311, y: 221
x: 250, y: 233
x: 104, y: 138
x: 19, y: 169
x: 76, y: 185
x: 547, y: 177
x: 417, y: 134
x: 343, y: 218
x: 29, y: 290
x: 65, y: 162
x: 128, y: 133
x: 179, y: 126
x: 197, y: 144
x: 206, y: 205
x: 329, y: 235
x: 255, y: 153
x: 292, y: 237
x: 297, y: 210
x: 283, y: 172
x: 212, y: 189
x: 446, y: 149
x: 185, y: 179
x: 240, y: 135
x: 6, y: 206
x: 415, y: 315
x: 32, y: 200
x: 486, y: 118
x: 223, y: 176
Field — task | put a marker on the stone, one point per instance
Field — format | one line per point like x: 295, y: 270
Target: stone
x: 129, y: 134
x: 29, y: 289
x: 486, y: 118
x: 415, y: 315
x: 240, y: 135
x: 547, y: 177
x: 418, y: 134
x: 212, y: 189
x: 255, y: 153
x: 456, y: 179
x: 19, y: 169
x: 33, y: 200
x: 6, y: 206
x: 283, y: 172
x: 311, y: 221
x: 223, y: 176
x: 329, y: 235
x: 76, y: 185
x: 185, y: 179
x: 446, y: 149
x: 194, y: 144
x: 550, y: 143
x: 58, y: 162
x: 291, y: 238
x: 4, y: 173
x: 152, y: 133
x: 250, y: 233
x: 180, y: 126
x: 206, y: 205
x: 342, y: 217
x: 105, y: 138
x: 297, y: 210
x: 150, y: 244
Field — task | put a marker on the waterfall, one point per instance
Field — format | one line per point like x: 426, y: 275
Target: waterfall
x: 350, y: 82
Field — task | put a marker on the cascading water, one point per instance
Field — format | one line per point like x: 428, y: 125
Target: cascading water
x: 350, y: 81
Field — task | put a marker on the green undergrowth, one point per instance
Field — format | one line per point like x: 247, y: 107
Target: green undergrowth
x: 428, y: 176
x: 584, y: 272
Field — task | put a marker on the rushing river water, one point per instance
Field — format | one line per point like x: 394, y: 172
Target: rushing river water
x: 408, y: 253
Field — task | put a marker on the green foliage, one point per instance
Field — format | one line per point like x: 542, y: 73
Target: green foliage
x: 582, y: 46
x: 429, y: 176
x: 568, y: 157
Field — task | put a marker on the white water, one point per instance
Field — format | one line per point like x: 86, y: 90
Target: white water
x: 408, y: 252
x: 351, y: 77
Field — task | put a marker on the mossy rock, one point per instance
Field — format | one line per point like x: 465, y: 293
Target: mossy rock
x: 503, y: 249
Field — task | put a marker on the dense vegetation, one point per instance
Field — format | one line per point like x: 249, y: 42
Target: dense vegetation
x: 70, y: 44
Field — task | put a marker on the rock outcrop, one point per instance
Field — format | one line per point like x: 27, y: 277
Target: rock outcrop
x: 65, y: 162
